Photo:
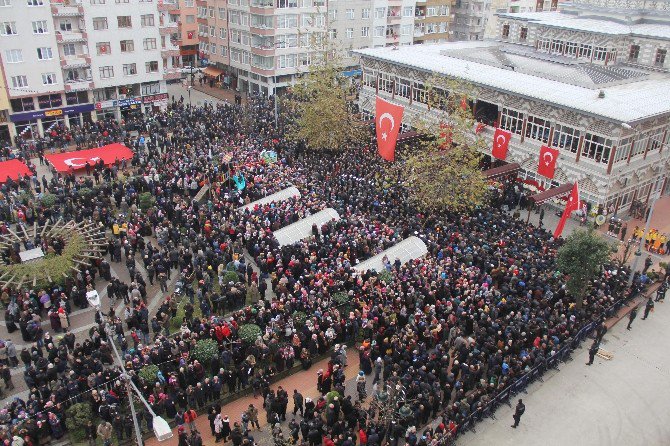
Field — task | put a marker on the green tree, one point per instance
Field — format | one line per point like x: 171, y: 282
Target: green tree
x: 444, y: 171
x: 581, y: 259
x: 319, y: 111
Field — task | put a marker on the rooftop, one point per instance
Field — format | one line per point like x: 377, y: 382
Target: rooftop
x: 630, y: 94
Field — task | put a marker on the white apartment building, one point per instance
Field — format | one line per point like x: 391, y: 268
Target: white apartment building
x: 590, y: 81
x: 80, y: 60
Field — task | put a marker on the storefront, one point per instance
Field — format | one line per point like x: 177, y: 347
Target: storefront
x: 155, y: 102
x: 30, y: 124
x: 130, y: 107
x: 105, y: 110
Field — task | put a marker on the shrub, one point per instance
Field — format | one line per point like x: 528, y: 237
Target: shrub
x: 249, y: 333
x: 299, y: 318
x: 48, y: 200
x: 148, y: 374
x: 146, y: 200
x: 385, y: 276
x: 205, y: 350
x: 330, y: 396
x: 85, y: 192
x: 340, y: 298
x: 231, y: 276
x: 77, y: 417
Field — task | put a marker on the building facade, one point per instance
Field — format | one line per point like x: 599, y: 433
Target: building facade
x: 514, y: 6
x: 72, y: 61
x: 600, y: 98
x: 264, y: 45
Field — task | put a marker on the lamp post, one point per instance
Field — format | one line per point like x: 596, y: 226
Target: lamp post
x: 638, y: 253
x: 189, y: 94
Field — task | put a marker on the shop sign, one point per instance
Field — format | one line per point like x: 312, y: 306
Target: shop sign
x: 155, y: 98
x: 41, y: 114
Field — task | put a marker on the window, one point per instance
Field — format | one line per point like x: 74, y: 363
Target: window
x: 419, y: 93
x: 13, y: 56
x: 571, y: 49
x: 5, y: 3
x: 351, y: 15
x: 523, y: 34
x: 543, y: 45
x: 597, y: 148
x: 365, y: 31
x: 149, y: 43
x: 35, y: 2
x: 537, y: 128
x: 370, y: 79
x: 350, y: 33
x: 659, y: 60
x: 152, y: 88
x: 584, y: 51
x: 99, y: 23
x: 222, y: 13
x: 287, y: 21
x: 106, y: 72
x: 640, y: 144
x: 511, y: 120
x: 129, y: 69
x: 286, y: 41
x: 189, y: 3
x: 286, y: 61
x: 212, y: 31
x: 380, y: 13
x: 65, y: 25
x: 147, y: 20
x: 103, y: 48
x: 406, y: 30
x: 210, y: 12
x: 23, y: 104
x: 332, y: 14
x: 69, y: 49
x: 365, y: 13
x: 98, y: 2
x: 403, y: 87
x: 190, y: 19
x: 48, y: 78
x: 222, y: 33
x: 599, y: 53
x: 287, y: 3
x: 505, y: 31
x: 332, y: 34
x: 76, y: 97
x: 623, y: 150
x: 127, y: 46
x: 8, y: 29
x: 566, y: 138
x: 633, y: 54
x: 385, y: 82
x: 408, y: 11
x: 151, y: 66
x: 124, y: 21
x: 379, y: 31
x: 19, y: 81
x: 40, y: 27
x: 44, y: 53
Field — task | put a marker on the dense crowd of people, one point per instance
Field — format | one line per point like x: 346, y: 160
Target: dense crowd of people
x: 456, y: 327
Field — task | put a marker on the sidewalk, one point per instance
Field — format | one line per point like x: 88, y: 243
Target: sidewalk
x: 304, y: 381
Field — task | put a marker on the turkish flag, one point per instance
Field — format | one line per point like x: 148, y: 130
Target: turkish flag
x: 189, y: 34
x: 571, y: 206
x: 388, y: 119
x: 547, y: 163
x: 501, y: 143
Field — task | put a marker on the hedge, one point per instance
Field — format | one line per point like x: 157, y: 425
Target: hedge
x: 206, y: 350
x: 249, y: 333
x: 149, y: 373
x: 77, y: 417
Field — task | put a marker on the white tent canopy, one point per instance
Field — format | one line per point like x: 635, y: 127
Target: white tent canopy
x: 282, y: 195
x: 303, y: 228
x: 409, y: 249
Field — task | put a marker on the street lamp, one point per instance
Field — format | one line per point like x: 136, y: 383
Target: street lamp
x: 189, y: 94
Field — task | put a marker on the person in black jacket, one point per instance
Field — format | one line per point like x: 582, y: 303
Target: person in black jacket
x: 520, y: 409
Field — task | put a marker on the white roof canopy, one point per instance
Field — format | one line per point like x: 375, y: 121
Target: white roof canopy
x: 282, y: 195
x: 409, y: 249
x: 303, y: 228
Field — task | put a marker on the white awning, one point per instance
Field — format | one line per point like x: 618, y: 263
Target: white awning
x: 303, y: 228
x: 282, y: 195
x: 409, y: 249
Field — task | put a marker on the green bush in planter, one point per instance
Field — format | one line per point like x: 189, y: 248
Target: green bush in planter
x: 148, y: 374
x: 340, y: 298
x: 299, y: 318
x: 206, y: 350
x: 85, y: 192
x: 385, y: 276
x: 48, y: 200
x: 249, y: 333
x: 330, y: 396
x: 77, y: 416
x: 231, y: 276
x: 146, y: 200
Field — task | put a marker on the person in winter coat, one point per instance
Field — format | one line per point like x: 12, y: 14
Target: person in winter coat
x: 91, y: 433
x: 105, y: 433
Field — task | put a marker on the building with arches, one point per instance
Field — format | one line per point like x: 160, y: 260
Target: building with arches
x: 591, y: 81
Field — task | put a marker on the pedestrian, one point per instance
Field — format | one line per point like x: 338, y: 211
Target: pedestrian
x: 592, y: 352
x: 632, y: 316
x: 91, y: 433
x: 648, y: 308
x: 647, y: 263
x: 520, y: 409
x: 660, y: 293
x: 105, y: 433
x: 253, y: 416
x: 298, y: 403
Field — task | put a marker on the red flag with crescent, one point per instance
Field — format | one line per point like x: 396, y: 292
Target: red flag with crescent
x: 547, y: 163
x: 501, y: 143
x: 571, y: 206
x: 388, y: 119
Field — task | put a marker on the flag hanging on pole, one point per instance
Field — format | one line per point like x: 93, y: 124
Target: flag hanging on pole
x: 500, y: 144
x: 571, y: 206
x: 547, y: 163
x: 388, y: 119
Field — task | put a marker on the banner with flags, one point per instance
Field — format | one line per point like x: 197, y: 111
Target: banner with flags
x: 547, y: 163
x: 501, y: 144
x: 388, y: 120
x: 571, y: 206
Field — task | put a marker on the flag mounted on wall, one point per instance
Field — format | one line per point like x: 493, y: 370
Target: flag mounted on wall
x: 501, y: 144
x: 571, y: 206
x: 547, y: 163
x: 388, y: 120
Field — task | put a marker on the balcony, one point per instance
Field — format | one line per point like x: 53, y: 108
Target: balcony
x: 418, y: 32
x: 165, y: 53
x: 263, y: 50
x: 67, y: 10
x: 168, y: 28
x: 78, y: 61
x: 71, y: 37
x: 168, y: 5
x: 393, y: 17
x: 79, y: 84
x: 262, y: 30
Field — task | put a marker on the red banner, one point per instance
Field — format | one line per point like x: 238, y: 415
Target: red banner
x: 12, y: 169
x: 547, y: 163
x: 501, y: 143
x: 69, y: 161
x: 571, y: 206
x: 389, y: 117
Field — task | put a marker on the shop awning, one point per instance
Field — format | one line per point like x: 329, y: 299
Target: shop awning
x: 212, y: 72
x: 501, y: 171
x: 352, y: 73
x: 546, y: 195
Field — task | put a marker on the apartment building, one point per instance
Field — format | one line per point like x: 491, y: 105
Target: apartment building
x: 73, y: 61
x: 264, y: 45
x: 4, y: 111
x: 514, y: 6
